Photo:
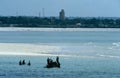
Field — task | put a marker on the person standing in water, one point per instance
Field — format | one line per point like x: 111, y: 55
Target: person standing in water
x: 29, y: 63
x: 23, y: 62
x: 20, y: 63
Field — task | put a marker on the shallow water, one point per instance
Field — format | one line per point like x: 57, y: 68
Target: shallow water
x: 59, y: 36
x: 83, y: 54
x: 70, y: 67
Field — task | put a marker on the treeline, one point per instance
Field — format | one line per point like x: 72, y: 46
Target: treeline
x: 53, y: 22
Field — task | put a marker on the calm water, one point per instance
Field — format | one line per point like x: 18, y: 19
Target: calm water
x: 59, y: 37
x: 94, y: 54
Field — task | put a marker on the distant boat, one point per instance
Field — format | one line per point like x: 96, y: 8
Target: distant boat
x: 51, y: 64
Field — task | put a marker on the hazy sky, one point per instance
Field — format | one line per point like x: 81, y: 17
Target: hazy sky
x: 81, y: 8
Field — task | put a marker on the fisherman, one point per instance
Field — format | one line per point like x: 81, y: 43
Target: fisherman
x: 51, y: 63
x: 20, y: 63
x: 57, y: 59
x: 23, y: 62
x: 29, y: 63
x: 48, y: 61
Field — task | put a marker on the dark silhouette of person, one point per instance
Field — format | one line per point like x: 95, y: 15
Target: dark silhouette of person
x: 23, y: 62
x: 20, y: 63
x: 29, y: 63
x: 57, y: 61
x: 48, y: 61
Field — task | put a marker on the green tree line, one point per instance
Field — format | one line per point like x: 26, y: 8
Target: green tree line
x: 54, y: 22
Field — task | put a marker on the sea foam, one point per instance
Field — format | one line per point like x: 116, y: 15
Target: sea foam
x: 26, y: 49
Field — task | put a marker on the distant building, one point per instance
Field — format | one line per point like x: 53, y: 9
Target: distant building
x: 62, y: 15
x: 78, y: 24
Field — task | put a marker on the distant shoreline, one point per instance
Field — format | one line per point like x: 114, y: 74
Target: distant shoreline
x: 56, y: 29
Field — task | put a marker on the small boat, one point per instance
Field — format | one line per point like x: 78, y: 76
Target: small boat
x: 51, y: 64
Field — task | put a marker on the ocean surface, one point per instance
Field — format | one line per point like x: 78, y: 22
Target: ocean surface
x: 83, y: 54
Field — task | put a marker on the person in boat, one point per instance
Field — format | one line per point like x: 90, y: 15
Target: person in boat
x: 57, y: 61
x: 49, y: 61
x: 51, y: 64
x: 29, y: 63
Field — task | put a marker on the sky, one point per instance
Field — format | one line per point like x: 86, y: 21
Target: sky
x: 72, y: 8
